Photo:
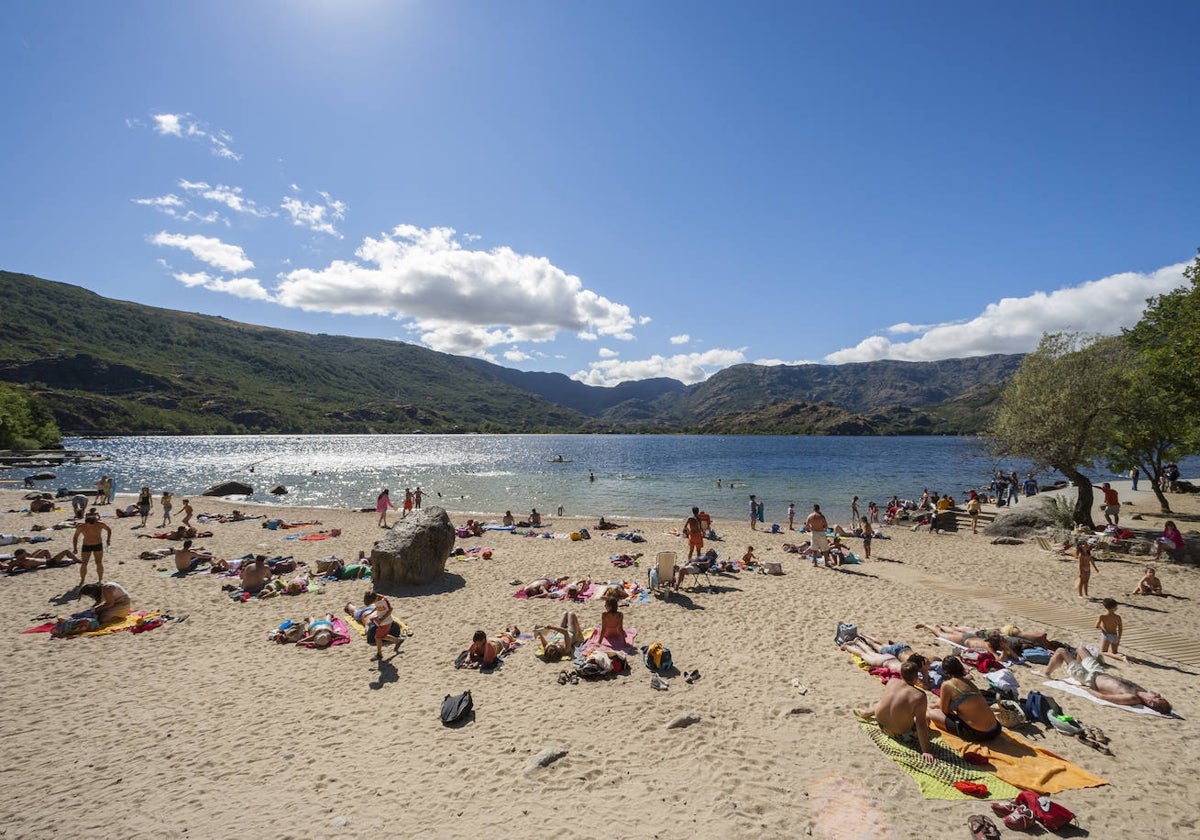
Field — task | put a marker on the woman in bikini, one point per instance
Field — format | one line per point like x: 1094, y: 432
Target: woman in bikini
x: 612, y: 626
x: 988, y: 640
x: 962, y: 709
x: 485, y: 652
x: 560, y: 641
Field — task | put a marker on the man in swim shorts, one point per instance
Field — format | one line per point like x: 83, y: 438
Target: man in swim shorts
x: 901, y: 709
x: 817, y: 524
x: 694, y: 533
x: 95, y: 536
x: 1090, y: 672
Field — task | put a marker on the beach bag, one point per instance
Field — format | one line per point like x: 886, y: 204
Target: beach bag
x: 1050, y: 814
x: 1037, y: 655
x: 1008, y: 713
x: 1039, y: 707
x: 584, y: 535
x: 456, y: 708
x: 658, y: 658
x: 845, y: 633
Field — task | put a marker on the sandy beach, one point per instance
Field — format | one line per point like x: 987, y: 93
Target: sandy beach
x: 203, y: 728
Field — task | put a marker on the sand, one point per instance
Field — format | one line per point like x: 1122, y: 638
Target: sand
x: 203, y: 728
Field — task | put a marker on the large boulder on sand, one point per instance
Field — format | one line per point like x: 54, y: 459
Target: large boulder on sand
x: 1020, y: 522
x: 415, y: 551
x: 229, y: 488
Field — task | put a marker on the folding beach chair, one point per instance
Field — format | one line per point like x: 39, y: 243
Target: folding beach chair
x: 661, y: 575
x: 697, y: 567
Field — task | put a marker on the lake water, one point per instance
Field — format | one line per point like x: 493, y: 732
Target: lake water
x: 658, y: 476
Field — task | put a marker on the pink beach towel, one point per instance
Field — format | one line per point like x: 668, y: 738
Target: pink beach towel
x: 341, y: 634
x: 593, y: 642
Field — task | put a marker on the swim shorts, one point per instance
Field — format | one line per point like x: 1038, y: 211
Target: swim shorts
x: 956, y: 726
x: 1085, y: 672
x: 97, y: 548
x: 894, y: 650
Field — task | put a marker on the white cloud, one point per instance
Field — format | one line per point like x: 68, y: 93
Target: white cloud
x: 230, y: 197
x: 458, y: 300
x: 680, y: 339
x: 515, y: 354
x: 906, y: 327
x: 687, y: 368
x: 207, y: 249
x: 777, y: 362
x: 171, y: 205
x: 168, y: 201
x: 184, y: 126
x: 315, y: 217
x: 605, y: 353
x: 243, y: 287
x: 197, y: 278
x: 1016, y: 325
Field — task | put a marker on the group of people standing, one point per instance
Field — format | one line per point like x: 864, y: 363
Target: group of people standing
x: 384, y: 503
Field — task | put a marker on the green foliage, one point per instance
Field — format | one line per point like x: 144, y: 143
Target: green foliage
x: 24, y: 422
x: 1060, y: 510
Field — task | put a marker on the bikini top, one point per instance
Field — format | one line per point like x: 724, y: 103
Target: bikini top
x: 957, y: 700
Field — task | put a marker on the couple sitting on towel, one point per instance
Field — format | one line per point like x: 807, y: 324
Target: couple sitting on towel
x: 560, y: 641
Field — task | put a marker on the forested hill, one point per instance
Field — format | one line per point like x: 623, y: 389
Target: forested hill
x: 104, y: 365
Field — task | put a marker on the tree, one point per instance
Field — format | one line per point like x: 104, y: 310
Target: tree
x: 24, y: 421
x: 1161, y: 413
x: 1058, y: 409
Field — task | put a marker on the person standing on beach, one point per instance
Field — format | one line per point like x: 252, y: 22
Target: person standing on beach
x: 166, y: 502
x: 186, y: 510
x: 791, y: 516
x: 1133, y: 476
x: 408, y: 502
x: 1110, y: 626
x: 1087, y: 564
x: 145, y: 500
x: 753, y: 513
x: 382, y: 502
x: 95, y: 536
x: 1112, y: 504
x: 694, y: 534
x: 973, y: 508
x: 417, y: 495
x: 1014, y: 487
x: 817, y: 525
x: 854, y: 514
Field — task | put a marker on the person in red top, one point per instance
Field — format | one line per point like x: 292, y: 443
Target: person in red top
x: 1112, y: 505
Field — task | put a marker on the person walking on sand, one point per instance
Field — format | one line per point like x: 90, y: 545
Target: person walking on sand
x: 854, y: 514
x: 408, y: 502
x: 417, y: 496
x: 1087, y: 564
x: 1110, y: 626
x: 95, y: 536
x: 387, y: 629
x: 186, y: 510
x: 382, y: 502
x: 973, y: 508
x: 145, y: 500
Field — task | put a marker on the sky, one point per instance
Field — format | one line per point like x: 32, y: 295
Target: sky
x: 613, y: 191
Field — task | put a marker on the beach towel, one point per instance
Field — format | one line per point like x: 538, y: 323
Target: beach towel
x: 1073, y: 687
x: 499, y: 527
x: 1019, y: 762
x: 127, y: 623
x: 936, y: 780
x: 592, y: 642
x: 577, y: 653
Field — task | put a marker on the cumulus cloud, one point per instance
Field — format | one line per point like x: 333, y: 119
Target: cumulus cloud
x: 186, y: 127
x: 456, y: 299
x: 905, y: 327
x: 1016, y: 325
x: 606, y: 353
x: 244, y: 287
x: 207, y: 249
x: 230, y: 197
x: 680, y: 339
x: 318, y: 217
x: 687, y: 367
x: 515, y: 354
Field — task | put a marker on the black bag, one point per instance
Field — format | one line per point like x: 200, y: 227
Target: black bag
x: 456, y: 708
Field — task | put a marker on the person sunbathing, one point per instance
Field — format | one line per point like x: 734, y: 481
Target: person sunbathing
x: 891, y: 656
x: 974, y: 639
x: 255, y: 575
x: 484, y: 652
x: 320, y: 633
x: 902, y: 710
x: 23, y: 560
x: 186, y: 559
x: 1090, y: 672
x: 612, y: 626
x: 575, y: 590
x: 562, y: 640
x: 1149, y: 584
x: 604, y: 525
x: 962, y: 710
x: 542, y: 587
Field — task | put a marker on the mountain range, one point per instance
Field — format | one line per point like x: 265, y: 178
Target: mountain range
x: 107, y: 366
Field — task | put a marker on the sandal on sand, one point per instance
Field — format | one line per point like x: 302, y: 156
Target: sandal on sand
x: 562, y: 677
x: 573, y: 679
x: 982, y: 827
x: 658, y: 683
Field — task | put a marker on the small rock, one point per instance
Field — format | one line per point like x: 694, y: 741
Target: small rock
x: 339, y: 822
x: 279, y: 490
x: 683, y: 720
x: 288, y: 756
x: 544, y: 759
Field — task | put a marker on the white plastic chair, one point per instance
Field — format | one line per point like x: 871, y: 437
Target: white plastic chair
x: 661, y: 576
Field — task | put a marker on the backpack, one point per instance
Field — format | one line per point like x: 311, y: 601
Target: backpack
x: 845, y: 633
x: 657, y: 657
x: 456, y: 708
x: 1050, y: 814
x: 1038, y: 707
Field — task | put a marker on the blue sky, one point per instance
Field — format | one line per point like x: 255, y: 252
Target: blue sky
x: 611, y: 190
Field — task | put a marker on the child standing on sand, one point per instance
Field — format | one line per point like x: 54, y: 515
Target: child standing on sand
x: 1087, y: 564
x: 1110, y: 626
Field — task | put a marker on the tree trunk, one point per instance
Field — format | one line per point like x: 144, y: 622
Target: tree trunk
x: 1083, y: 501
x: 1163, y: 505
